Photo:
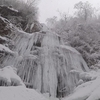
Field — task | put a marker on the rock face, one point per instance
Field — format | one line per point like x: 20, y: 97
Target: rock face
x: 18, y: 19
x: 42, y: 60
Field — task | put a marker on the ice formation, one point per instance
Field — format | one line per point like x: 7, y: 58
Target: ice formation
x: 43, y: 61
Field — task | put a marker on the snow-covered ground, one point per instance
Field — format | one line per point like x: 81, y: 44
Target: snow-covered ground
x: 89, y: 90
x: 19, y: 93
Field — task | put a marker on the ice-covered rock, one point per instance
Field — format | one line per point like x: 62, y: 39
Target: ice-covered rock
x: 9, y: 76
x: 87, y: 90
x: 6, y: 49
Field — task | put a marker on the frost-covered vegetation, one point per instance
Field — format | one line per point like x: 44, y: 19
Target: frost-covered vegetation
x: 28, y: 8
x: 23, y: 14
x: 81, y: 31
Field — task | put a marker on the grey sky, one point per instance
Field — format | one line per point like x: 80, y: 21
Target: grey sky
x: 50, y: 8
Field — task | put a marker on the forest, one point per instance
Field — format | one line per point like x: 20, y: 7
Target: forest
x: 80, y: 30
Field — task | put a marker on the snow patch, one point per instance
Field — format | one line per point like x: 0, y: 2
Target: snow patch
x: 3, y: 38
x: 9, y: 76
x: 5, y: 49
x: 70, y: 49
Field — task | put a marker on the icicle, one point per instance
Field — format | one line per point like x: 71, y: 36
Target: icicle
x: 43, y: 61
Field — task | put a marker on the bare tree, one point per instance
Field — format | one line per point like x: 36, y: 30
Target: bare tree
x: 84, y: 10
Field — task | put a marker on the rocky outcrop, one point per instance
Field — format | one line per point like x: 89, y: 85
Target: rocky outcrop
x: 13, y: 15
x: 5, y: 27
x: 18, y: 19
x: 6, y: 11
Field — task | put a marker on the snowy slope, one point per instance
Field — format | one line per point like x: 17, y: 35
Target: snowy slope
x: 89, y: 90
x: 19, y: 93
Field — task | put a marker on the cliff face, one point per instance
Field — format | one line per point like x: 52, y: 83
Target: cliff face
x: 43, y: 61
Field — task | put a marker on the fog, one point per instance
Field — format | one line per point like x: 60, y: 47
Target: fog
x: 50, y: 8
